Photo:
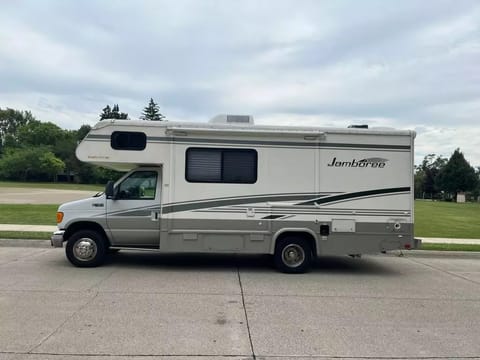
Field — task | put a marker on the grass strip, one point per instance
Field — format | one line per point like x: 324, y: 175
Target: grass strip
x: 28, y: 214
x: 28, y: 235
x: 451, y: 247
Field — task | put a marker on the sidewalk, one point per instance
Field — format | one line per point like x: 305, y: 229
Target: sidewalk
x: 52, y: 228
x: 40, y: 228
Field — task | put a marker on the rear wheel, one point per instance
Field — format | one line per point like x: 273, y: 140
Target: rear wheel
x: 293, y: 255
x: 86, y: 248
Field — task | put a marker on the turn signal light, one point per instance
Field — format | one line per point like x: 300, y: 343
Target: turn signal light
x: 59, y: 217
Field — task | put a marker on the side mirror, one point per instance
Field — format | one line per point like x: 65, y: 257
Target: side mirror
x: 110, y: 190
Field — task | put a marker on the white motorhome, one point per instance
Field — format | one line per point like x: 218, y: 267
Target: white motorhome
x: 229, y: 186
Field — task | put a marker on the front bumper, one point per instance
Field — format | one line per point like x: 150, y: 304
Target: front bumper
x: 57, y: 238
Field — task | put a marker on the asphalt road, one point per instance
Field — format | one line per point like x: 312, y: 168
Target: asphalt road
x: 143, y: 305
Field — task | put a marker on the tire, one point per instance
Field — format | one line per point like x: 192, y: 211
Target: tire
x: 293, y: 255
x: 86, y: 248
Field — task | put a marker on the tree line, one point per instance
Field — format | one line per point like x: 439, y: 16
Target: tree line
x: 441, y: 178
x: 32, y: 150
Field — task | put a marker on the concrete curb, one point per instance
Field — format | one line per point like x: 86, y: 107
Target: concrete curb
x: 25, y: 243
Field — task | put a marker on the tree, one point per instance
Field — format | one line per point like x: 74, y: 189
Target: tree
x: 82, y: 132
x: 10, y: 121
x: 40, y: 133
x: 152, y: 112
x: 457, y: 175
x: 426, y: 176
x: 32, y: 163
x: 112, y: 113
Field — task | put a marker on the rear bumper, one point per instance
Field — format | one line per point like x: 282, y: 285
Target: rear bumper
x: 417, y: 244
x: 57, y: 238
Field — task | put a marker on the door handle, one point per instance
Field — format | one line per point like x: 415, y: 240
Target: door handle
x: 154, y: 215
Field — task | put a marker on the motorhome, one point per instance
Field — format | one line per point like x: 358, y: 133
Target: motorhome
x: 229, y: 186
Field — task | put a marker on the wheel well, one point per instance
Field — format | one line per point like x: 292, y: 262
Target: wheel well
x: 85, y: 225
x: 299, y: 234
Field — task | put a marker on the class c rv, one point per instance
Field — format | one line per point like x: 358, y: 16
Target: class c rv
x: 229, y: 186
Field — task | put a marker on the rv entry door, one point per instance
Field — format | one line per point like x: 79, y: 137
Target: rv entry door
x: 133, y: 215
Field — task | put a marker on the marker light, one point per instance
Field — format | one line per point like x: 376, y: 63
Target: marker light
x: 59, y: 217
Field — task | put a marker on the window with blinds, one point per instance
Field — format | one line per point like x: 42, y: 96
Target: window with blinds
x: 237, y: 166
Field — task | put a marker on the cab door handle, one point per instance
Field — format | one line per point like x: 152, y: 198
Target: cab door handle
x: 154, y: 216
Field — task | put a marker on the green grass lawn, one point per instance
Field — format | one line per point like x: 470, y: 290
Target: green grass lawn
x: 28, y: 214
x: 60, y: 186
x: 29, y: 235
x: 447, y: 219
x: 450, y: 247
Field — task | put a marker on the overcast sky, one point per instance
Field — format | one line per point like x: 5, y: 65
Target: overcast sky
x: 403, y: 64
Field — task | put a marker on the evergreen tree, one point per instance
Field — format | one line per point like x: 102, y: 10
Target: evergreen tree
x: 152, y: 112
x: 106, y: 113
x: 112, y: 113
x: 457, y: 175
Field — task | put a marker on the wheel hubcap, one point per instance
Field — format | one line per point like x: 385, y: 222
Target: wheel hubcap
x: 85, y: 249
x: 293, y: 255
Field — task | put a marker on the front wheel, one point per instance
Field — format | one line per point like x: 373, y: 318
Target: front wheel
x: 86, y: 248
x: 293, y: 255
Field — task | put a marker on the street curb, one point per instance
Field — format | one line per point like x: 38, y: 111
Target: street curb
x: 35, y: 243
x: 435, y: 253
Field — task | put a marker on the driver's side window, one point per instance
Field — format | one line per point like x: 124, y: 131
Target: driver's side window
x: 140, y: 185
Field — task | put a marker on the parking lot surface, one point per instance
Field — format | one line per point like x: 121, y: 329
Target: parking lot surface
x: 143, y: 305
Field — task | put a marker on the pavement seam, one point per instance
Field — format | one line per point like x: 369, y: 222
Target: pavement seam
x: 89, y: 301
x: 447, y: 272
x: 245, y: 312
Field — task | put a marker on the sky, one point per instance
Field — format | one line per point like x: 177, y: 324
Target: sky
x: 402, y: 64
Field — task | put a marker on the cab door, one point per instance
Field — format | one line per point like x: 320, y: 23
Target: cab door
x: 133, y: 214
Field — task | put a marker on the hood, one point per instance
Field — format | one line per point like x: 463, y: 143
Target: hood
x: 83, y: 204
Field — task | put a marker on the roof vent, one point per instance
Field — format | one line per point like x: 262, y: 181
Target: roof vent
x: 232, y: 119
x: 364, y: 126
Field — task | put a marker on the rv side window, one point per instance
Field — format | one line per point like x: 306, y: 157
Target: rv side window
x: 140, y: 185
x: 221, y: 165
x: 128, y: 140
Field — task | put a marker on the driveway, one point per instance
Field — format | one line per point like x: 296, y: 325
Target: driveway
x: 13, y: 195
x: 143, y: 304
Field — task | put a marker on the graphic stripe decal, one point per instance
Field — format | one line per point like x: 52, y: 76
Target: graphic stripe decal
x: 317, y: 201
x: 354, y: 195
x: 218, y: 203
x: 260, y: 197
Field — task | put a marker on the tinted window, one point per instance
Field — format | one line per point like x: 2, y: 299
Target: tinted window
x: 128, y: 140
x: 221, y: 165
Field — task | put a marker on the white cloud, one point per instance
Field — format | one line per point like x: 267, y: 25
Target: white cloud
x: 409, y: 64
